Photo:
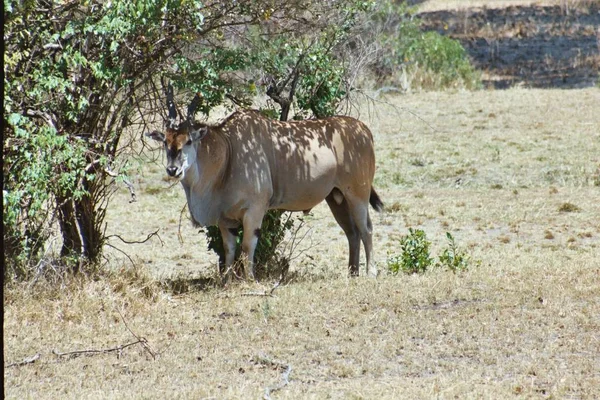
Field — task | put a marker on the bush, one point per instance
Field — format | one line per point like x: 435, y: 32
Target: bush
x: 440, y: 62
x: 267, y: 261
x: 453, y: 258
x: 409, y: 57
x: 415, y: 257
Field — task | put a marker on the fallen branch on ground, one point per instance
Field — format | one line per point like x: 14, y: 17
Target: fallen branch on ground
x: 28, y: 360
x: 140, y: 340
x: 285, y: 376
x: 94, y: 351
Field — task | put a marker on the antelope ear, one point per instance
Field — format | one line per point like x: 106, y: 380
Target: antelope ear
x: 156, y: 135
x: 198, y: 132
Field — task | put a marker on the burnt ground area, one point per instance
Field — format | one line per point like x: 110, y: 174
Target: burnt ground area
x: 535, y: 46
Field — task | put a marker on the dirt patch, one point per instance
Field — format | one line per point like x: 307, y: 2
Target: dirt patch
x: 537, y: 46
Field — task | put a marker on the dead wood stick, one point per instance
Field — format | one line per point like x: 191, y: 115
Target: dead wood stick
x: 141, y: 340
x: 285, y: 376
x: 25, y: 361
x: 127, y: 183
x: 95, y: 351
x: 285, y: 380
x: 150, y: 236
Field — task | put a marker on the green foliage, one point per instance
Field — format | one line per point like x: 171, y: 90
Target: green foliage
x: 308, y: 71
x: 415, y: 256
x: 443, y: 60
x: 453, y: 258
x: 273, y: 230
x: 206, y: 75
x: 413, y: 58
x: 72, y: 85
x: 37, y: 168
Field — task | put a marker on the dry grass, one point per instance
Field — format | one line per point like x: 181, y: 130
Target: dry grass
x: 493, y: 168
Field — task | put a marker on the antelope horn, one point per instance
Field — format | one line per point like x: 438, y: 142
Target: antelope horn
x: 171, y: 106
x: 192, y: 107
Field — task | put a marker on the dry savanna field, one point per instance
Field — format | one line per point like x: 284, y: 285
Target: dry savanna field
x: 513, y: 175
x: 494, y: 168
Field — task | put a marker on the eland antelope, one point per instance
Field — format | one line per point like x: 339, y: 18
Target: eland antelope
x: 233, y: 172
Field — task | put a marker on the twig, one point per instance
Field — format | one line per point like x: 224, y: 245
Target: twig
x: 94, y: 351
x: 126, y: 182
x: 141, y: 340
x: 122, y: 252
x: 375, y: 100
x: 150, y: 235
x: 285, y: 380
x: 45, y: 116
x: 179, y: 235
x: 28, y: 360
x: 285, y: 376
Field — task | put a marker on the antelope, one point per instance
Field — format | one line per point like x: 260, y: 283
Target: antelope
x: 235, y: 171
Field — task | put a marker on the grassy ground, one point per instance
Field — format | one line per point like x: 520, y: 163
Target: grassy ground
x: 497, y: 169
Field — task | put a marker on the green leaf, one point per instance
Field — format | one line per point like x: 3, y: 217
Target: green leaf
x: 14, y: 119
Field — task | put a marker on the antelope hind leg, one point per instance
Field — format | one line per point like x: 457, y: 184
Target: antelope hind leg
x: 339, y: 208
x: 359, y: 211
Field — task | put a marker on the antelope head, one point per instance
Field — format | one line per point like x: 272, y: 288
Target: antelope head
x: 181, y: 137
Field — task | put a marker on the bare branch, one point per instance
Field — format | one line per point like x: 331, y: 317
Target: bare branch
x: 121, y: 251
x: 141, y: 340
x: 78, y: 353
x: 150, y: 235
x: 285, y: 376
x: 179, y: 235
x: 25, y: 361
x: 39, y: 114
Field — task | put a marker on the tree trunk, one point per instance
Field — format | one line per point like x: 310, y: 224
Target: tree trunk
x: 89, y: 219
x: 68, y: 227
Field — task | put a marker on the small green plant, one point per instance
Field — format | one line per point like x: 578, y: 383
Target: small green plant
x: 568, y: 207
x: 266, y: 310
x: 273, y: 230
x: 415, y: 257
x: 453, y: 258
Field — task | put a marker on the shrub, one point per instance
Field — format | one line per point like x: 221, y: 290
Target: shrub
x: 453, y: 258
x: 273, y: 230
x: 409, y: 57
x: 415, y: 257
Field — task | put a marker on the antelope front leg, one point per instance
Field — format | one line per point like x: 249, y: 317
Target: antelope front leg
x: 229, y: 238
x: 252, y: 223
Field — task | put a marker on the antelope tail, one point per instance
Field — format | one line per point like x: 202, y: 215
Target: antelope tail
x: 375, y: 201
